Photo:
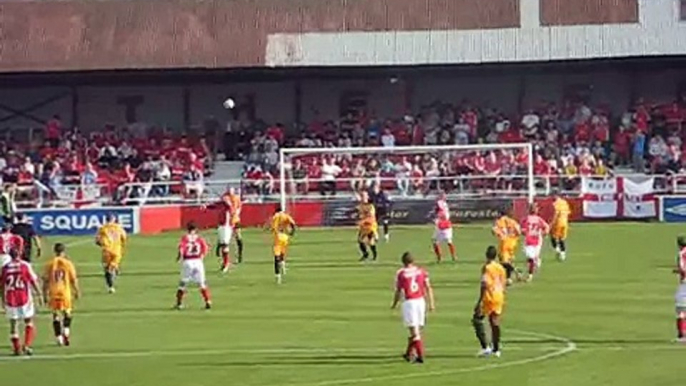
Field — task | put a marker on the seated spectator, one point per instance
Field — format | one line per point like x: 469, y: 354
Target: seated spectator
x: 530, y: 124
x: 193, y: 182
x: 417, y: 179
x: 402, y: 175
x: 357, y: 174
x: 107, y: 155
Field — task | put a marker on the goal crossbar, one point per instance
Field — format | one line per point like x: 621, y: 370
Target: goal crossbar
x: 284, y: 152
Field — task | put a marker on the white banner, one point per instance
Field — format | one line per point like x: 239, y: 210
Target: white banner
x: 600, y: 197
x: 638, y: 199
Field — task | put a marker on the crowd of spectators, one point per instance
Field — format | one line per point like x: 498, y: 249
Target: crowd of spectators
x: 71, y: 165
x: 571, y: 139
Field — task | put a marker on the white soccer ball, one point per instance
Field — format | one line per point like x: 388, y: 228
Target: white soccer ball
x: 229, y: 104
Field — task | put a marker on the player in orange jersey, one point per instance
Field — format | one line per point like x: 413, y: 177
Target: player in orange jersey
x: 490, y: 304
x: 60, y: 289
x: 235, y: 221
x: 560, y: 227
x: 507, y: 230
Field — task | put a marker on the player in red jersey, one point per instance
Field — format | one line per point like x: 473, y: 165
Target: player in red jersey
x: 534, y: 229
x: 412, y: 284
x: 9, y: 242
x: 680, y: 296
x: 444, y: 228
x: 19, y: 285
x: 229, y: 227
x: 192, y: 251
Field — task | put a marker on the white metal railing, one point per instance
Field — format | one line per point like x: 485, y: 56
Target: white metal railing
x: 401, y: 187
x: 39, y: 195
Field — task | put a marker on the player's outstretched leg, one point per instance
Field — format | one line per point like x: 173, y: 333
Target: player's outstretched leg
x: 226, y: 258
x: 239, y: 245
x: 494, y: 320
x: 451, y: 247
x: 180, y: 293
x: 277, y: 269
x: 29, y: 335
x: 66, y: 331
x: 563, y: 250
x: 57, y: 329
x: 417, y: 344
x: 206, y: 296
x: 437, y: 251
x: 480, y: 332
x: 363, y: 251
x: 375, y: 254
x: 14, y: 337
x: 386, y: 234
x: 109, y: 279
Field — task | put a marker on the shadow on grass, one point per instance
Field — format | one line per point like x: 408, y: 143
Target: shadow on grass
x: 319, y: 360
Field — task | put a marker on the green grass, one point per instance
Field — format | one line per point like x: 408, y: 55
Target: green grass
x: 604, y: 317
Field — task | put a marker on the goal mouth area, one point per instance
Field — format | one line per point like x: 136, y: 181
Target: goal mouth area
x: 407, y: 173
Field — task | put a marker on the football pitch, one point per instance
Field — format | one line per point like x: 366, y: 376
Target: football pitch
x: 603, y: 317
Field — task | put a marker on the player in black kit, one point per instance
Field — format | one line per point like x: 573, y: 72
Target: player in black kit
x: 24, y: 229
x: 382, y: 205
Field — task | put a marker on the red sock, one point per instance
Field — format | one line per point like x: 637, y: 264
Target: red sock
x: 179, y: 296
x: 419, y: 346
x: 205, y: 292
x: 29, y: 334
x: 410, y: 347
x: 532, y: 266
x: 15, y: 343
x: 451, y: 246
x: 437, y: 251
x: 226, y: 259
x: 681, y: 327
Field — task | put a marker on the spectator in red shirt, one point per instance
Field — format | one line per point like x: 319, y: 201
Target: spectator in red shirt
x: 622, y: 146
x: 582, y: 131
x: 53, y: 131
x: 276, y: 132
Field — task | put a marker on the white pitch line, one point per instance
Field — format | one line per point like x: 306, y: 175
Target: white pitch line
x: 570, y: 347
x: 266, y: 351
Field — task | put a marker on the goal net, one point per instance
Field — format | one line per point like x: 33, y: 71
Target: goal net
x: 474, y: 175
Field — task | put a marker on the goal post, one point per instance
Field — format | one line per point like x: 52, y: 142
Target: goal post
x: 459, y: 166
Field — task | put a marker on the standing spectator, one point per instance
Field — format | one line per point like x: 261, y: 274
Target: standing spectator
x: 530, y: 123
x: 638, y: 151
x: 622, y: 146
x: 329, y: 173
x: 108, y: 155
x: 8, y: 207
x: 402, y: 175
x: 89, y: 175
x: 53, y: 131
x: 388, y: 139
x: 657, y: 147
x: 358, y: 172
x: 193, y: 182
x: 300, y: 180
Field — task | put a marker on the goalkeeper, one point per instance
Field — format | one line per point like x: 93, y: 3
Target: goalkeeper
x: 382, y: 205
